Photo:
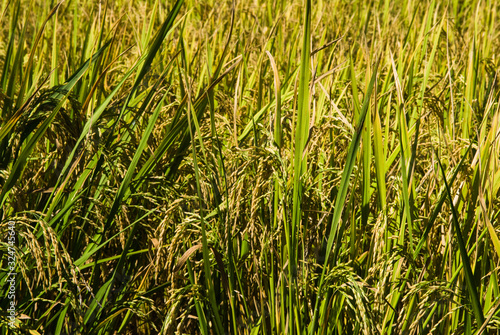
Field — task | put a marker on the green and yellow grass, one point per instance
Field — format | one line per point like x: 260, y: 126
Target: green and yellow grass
x: 251, y: 167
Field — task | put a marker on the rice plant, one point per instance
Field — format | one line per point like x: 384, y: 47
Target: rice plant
x: 249, y: 167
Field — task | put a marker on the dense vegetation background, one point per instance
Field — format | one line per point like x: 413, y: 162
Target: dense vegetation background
x: 246, y: 167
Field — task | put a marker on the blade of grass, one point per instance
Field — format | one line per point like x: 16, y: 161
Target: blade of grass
x: 469, y: 277
x: 343, y: 187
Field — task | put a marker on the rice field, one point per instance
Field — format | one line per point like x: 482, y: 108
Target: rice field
x: 250, y: 167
